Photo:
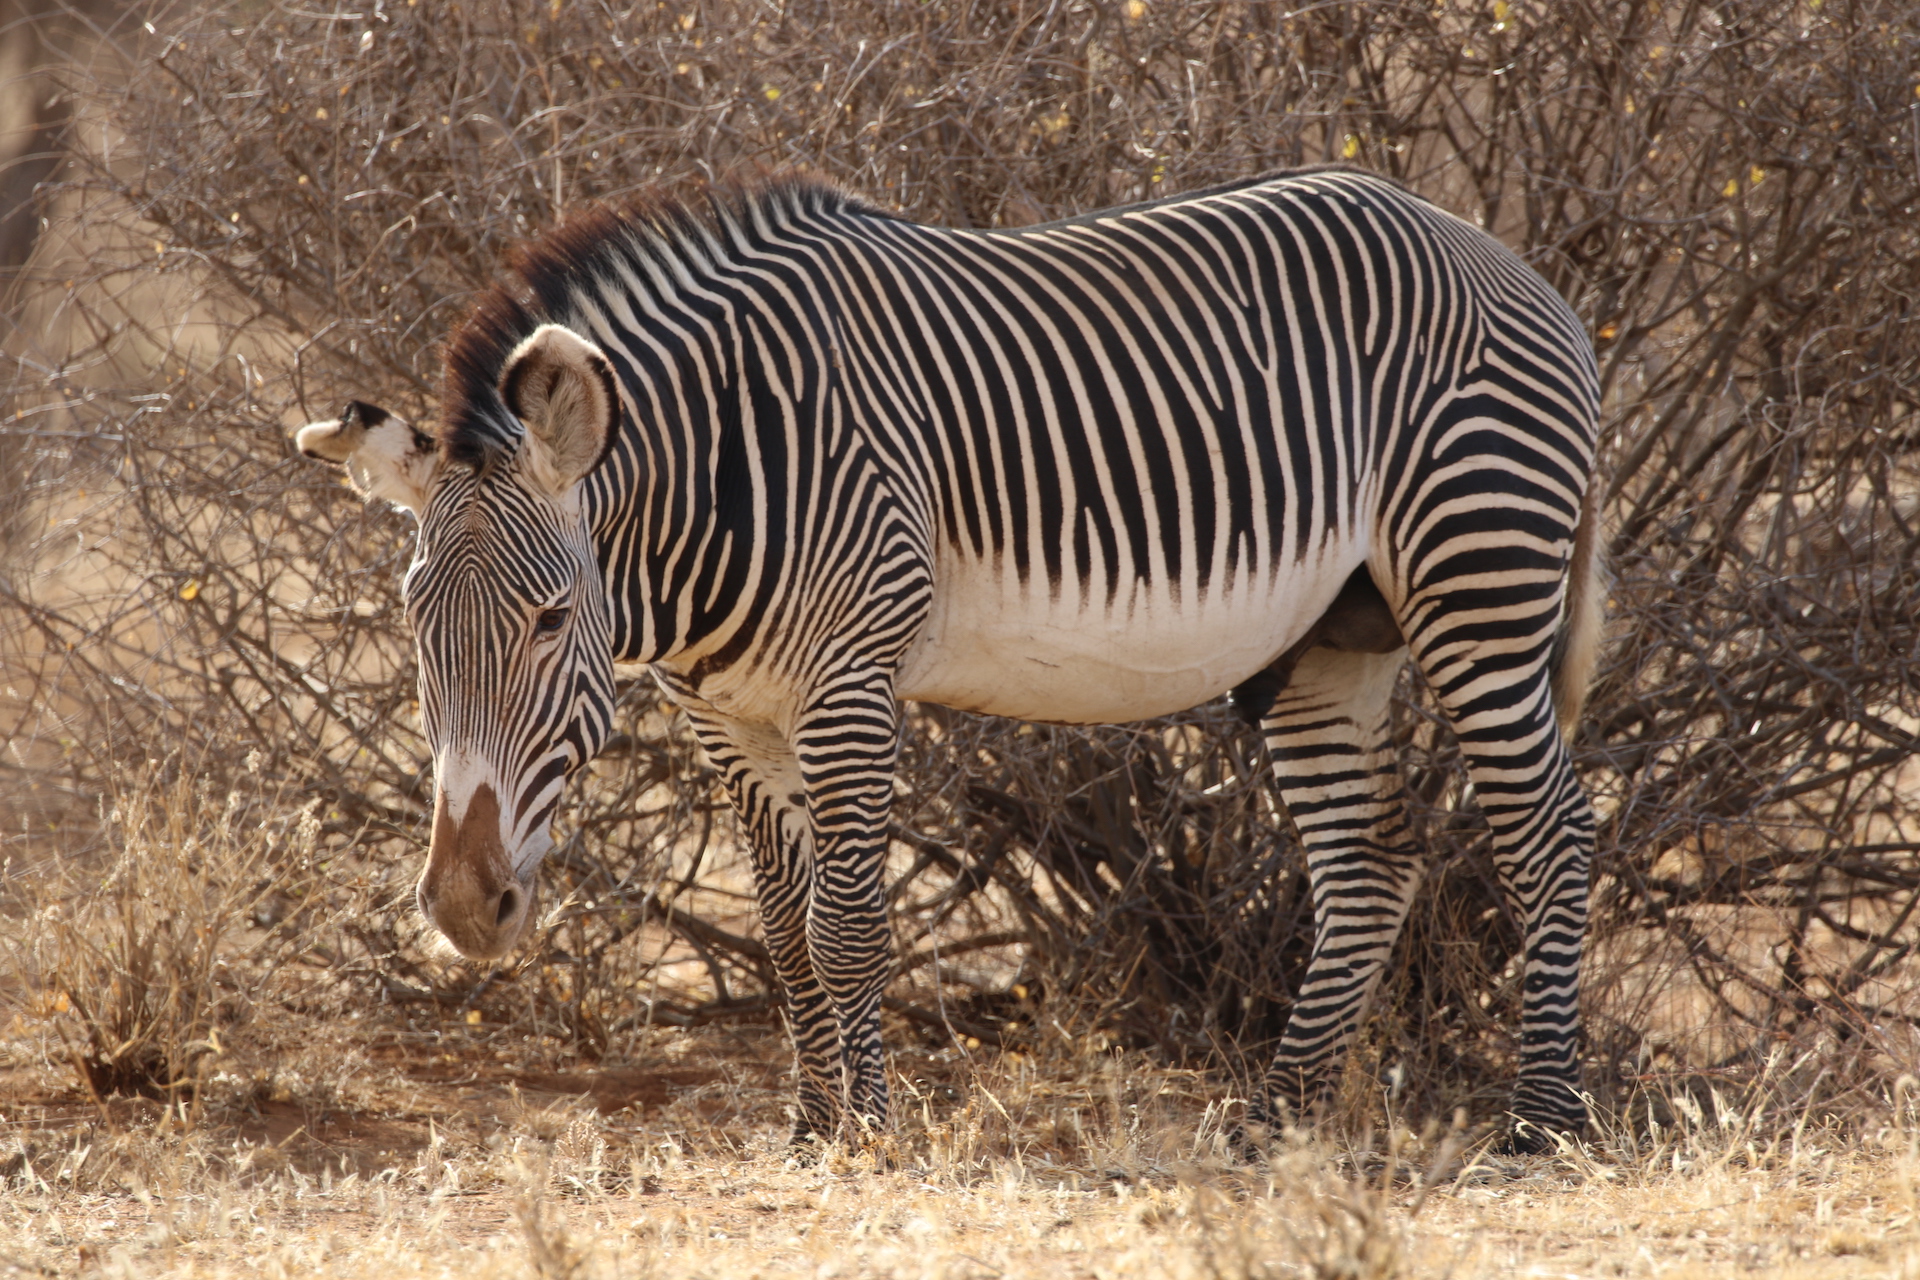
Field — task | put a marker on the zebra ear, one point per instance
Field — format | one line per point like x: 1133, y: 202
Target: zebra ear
x: 561, y: 386
x: 384, y: 456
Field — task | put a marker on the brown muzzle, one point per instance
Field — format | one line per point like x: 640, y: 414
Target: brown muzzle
x: 468, y: 889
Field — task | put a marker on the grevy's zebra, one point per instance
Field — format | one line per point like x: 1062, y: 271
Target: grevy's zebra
x: 809, y: 459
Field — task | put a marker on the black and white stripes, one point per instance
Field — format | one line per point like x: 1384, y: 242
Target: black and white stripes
x: 1098, y: 470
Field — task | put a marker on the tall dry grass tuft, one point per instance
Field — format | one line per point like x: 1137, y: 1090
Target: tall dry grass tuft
x: 137, y: 959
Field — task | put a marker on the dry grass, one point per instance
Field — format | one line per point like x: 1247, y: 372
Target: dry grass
x: 280, y: 1126
x: 268, y: 206
x: 284, y: 1128
x: 366, y: 1160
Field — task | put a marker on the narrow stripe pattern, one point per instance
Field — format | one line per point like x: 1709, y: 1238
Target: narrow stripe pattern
x: 1095, y: 470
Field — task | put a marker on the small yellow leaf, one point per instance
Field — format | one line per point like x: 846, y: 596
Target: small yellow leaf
x: 1048, y: 126
x: 1755, y: 174
x: 1351, y: 148
x: 773, y: 94
x: 1136, y: 10
x: 1732, y: 188
x: 1606, y: 333
x: 320, y: 114
x: 190, y: 589
x: 1500, y: 10
x: 473, y: 1017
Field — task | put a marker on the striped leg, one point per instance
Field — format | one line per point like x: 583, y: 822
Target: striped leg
x: 1327, y: 734
x: 1482, y: 621
x: 846, y: 741
x: 762, y: 779
x: 1543, y: 833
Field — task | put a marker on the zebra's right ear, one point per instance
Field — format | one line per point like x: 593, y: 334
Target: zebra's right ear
x: 384, y: 456
x: 562, y: 388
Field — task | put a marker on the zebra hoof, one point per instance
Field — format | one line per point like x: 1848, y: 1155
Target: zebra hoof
x: 1248, y: 1144
x: 805, y: 1149
x: 1251, y: 1141
x: 1527, y: 1138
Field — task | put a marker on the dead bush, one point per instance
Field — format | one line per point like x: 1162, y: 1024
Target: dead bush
x: 269, y: 208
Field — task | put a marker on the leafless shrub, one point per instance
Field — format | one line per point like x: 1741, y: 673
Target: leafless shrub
x: 268, y: 209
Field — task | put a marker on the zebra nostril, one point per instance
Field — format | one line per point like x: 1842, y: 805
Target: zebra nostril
x: 509, y: 903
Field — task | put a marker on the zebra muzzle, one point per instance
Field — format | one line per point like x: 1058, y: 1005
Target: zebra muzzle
x: 469, y: 890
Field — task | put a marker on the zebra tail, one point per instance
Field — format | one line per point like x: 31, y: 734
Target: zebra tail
x: 1583, y: 622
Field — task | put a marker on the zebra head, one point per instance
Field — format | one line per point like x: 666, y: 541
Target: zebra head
x: 509, y: 617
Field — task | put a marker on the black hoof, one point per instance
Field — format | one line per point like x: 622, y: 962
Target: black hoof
x: 1252, y: 1140
x: 1527, y: 1138
x: 806, y: 1148
x: 1247, y: 1144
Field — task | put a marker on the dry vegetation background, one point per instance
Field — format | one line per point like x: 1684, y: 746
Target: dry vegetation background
x: 213, y: 792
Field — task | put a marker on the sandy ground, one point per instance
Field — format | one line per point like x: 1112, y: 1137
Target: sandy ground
x: 401, y: 1152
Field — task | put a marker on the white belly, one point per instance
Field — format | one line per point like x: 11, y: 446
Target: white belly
x: 994, y: 647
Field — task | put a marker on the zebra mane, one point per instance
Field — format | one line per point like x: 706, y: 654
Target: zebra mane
x: 544, y: 275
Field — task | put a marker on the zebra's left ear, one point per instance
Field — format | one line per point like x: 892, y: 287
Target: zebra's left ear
x: 384, y: 456
x: 561, y: 386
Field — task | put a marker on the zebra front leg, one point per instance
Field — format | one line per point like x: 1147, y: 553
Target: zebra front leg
x: 762, y: 779
x: 846, y: 741
x: 782, y: 875
x: 1328, y: 737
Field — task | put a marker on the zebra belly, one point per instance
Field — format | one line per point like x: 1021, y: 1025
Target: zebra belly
x: 995, y: 647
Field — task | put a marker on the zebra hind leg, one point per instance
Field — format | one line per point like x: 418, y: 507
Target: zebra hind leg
x: 1496, y: 691
x: 1328, y: 737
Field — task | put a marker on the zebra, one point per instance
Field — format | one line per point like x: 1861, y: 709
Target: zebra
x: 810, y: 460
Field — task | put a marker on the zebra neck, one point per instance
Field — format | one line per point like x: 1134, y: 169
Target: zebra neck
x: 697, y: 534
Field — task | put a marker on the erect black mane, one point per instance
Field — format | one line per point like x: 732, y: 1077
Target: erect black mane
x: 475, y: 426
x: 545, y: 275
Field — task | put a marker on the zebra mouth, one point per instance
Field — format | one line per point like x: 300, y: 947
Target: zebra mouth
x: 493, y: 926
x: 470, y: 890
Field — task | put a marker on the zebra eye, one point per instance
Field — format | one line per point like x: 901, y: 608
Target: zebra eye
x: 550, y: 621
